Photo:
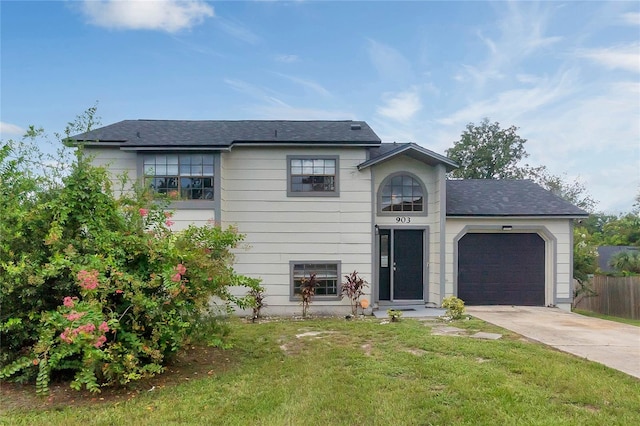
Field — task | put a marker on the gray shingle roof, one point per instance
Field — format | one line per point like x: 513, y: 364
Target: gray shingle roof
x: 488, y: 197
x: 218, y: 133
x: 386, y: 151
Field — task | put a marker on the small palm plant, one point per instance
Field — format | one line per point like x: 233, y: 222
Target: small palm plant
x: 307, y: 291
x: 353, y: 288
x: 626, y: 261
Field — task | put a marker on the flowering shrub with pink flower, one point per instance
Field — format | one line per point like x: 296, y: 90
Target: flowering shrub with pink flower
x: 97, y: 286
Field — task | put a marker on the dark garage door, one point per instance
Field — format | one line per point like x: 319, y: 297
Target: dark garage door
x: 501, y: 269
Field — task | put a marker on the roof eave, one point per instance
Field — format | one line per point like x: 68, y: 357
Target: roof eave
x: 176, y: 148
x: 93, y: 143
x: 307, y: 143
x: 410, y: 147
x: 519, y: 216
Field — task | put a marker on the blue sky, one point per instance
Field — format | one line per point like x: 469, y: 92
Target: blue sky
x: 566, y: 73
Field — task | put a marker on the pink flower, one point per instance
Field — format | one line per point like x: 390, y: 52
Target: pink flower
x: 88, y: 280
x: 181, y: 269
x: 64, y: 336
x: 75, y: 316
x: 118, y: 291
x: 87, y: 328
x: 69, y: 301
x: 100, y: 341
x: 169, y: 223
x: 176, y: 278
x: 143, y: 212
x: 168, y: 214
x: 103, y: 327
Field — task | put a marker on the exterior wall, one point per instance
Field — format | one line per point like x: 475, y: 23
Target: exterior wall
x: 430, y: 177
x: 281, y: 229
x: 118, y: 163
x: 556, y: 233
x: 182, y: 218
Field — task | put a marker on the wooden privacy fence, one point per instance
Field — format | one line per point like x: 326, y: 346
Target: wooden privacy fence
x: 616, y: 296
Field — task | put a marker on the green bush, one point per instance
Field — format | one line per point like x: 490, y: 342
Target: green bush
x: 454, y: 307
x: 97, y: 288
x: 394, y: 315
x: 626, y: 262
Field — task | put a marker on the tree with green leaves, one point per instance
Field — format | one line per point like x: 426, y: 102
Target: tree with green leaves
x: 486, y: 151
x: 572, y: 191
x: 97, y: 287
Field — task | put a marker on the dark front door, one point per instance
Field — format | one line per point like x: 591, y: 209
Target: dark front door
x: 401, y: 265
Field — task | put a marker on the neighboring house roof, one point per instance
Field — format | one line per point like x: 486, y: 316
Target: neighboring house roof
x: 223, y: 134
x: 605, y: 253
x: 506, y: 197
x: 387, y: 151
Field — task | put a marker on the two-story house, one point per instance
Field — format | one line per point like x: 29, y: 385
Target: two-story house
x: 328, y: 198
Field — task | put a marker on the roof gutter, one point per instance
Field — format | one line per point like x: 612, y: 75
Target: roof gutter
x: 176, y: 148
x: 515, y: 216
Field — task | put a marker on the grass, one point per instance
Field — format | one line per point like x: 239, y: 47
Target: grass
x: 608, y: 317
x: 362, y: 372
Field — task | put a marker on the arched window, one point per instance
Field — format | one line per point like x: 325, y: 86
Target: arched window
x: 402, y: 193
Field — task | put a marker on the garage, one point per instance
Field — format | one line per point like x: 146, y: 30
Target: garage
x: 501, y: 269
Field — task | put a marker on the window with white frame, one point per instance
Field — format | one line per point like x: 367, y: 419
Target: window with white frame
x: 180, y: 176
x: 326, y: 275
x: 312, y: 176
x: 402, y: 193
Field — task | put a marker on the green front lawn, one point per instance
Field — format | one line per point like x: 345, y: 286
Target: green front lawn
x: 608, y: 317
x: 363, y: 372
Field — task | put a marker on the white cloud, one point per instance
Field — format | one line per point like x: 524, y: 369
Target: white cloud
x: 165, y: 15
x: 527, y: 78
x: 237, y: 30
x: 521, y: 33
x: 262, y: 94
x: 626, y: 57
x: 307, y: 84
x: 632, y: 18
x: 401, y: 106
x: 287, y: 59
x: 513, y: 104
x: 10, y: 129
x: 389, y: 62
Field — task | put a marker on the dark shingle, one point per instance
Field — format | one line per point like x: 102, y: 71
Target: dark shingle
x: 387, y: 151
x: 169, y: 133
x: 487, y: 197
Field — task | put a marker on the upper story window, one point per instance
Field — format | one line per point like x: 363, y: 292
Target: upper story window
x: 312, y: 176
x: 180, y: 176
x: 402, y: 193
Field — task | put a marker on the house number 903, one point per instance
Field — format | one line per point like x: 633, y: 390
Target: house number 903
x: 403, y: 219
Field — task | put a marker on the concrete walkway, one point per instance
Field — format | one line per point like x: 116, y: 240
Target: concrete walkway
x: 411, y: 311
x: 610, y: 343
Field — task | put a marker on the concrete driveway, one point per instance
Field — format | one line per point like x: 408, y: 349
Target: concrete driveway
x: 610, y: 343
